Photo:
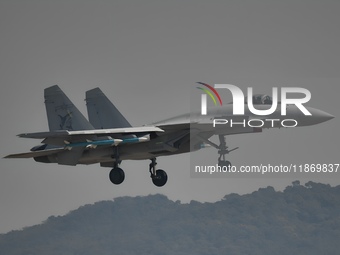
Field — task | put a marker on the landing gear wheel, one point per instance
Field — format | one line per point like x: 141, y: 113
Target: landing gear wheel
x: 160, y: 178
x: 225, y: 163
x: 117, y: 175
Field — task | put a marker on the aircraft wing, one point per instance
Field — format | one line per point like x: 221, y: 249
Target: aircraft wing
x: 95, y: 132
x: 94, y: 137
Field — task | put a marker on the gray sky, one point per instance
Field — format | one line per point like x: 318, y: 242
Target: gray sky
x: 146, y: 56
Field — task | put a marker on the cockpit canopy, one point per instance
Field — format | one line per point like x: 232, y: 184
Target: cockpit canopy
x: 262, y: 99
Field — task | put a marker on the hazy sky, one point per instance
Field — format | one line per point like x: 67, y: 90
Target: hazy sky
x: 146, y: 56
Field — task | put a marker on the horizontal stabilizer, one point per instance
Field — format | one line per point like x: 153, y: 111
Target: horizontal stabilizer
x: 34, y: 154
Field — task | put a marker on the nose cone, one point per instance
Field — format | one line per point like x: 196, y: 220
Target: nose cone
x: 317, y: 117
x: 321, y: 115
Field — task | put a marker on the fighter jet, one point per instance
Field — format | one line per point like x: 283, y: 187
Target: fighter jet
x: 108, y: 138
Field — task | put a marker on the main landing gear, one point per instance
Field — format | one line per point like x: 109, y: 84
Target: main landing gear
x: 117, y: 175
x: 159, y: 177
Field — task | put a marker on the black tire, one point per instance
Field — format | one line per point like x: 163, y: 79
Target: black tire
x: 226, y: 164
x: 160, y: 179
x: 117, y: 175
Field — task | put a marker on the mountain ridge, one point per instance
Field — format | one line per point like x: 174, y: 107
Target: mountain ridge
x: 303, y: 219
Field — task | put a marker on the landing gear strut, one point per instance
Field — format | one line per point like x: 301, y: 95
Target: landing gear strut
x: 159, y: 177
x: 222, y: 150
x: 117, y: 174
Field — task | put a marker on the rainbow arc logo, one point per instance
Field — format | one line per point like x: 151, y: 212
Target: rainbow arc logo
x: 211, y: 91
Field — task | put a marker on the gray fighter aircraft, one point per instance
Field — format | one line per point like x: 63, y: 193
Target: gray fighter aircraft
x: 108, y: 138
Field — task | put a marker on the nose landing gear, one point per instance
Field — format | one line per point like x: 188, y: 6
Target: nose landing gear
x: 222, y: 150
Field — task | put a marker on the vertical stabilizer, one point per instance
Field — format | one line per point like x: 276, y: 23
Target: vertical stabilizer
x: 102, y: 113
x: 61, y: 112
